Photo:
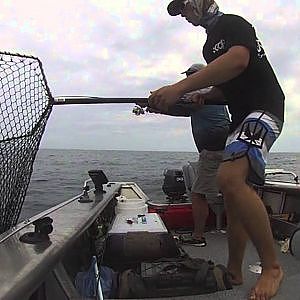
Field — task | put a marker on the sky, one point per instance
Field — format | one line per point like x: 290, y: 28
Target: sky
x: 127, y: 48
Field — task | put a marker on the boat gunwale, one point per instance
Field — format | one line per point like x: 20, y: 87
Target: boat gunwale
x: 25, y: 281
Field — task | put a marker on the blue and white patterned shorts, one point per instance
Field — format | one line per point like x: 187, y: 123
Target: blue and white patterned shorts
x: 254, y: 138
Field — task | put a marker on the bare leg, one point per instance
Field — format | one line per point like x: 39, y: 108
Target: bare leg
x: 237, y: 240
x: 200, y: 214
x: 253, y: 216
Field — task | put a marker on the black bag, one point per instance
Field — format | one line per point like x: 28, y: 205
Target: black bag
x: 183, y: 277
x: 140, y: 246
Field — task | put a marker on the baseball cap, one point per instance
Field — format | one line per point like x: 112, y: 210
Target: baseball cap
x: 193, y: 69
x: 176, y: 6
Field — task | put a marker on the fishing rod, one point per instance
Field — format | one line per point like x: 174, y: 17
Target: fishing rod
x: 63, y: 100
x: 139, y: 109
x: 142, y: 104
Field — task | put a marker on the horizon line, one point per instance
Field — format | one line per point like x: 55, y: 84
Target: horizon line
x: 146, y: 150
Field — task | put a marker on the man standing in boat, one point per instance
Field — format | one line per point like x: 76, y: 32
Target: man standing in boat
x: 237, y: 65
x: 210, y: 127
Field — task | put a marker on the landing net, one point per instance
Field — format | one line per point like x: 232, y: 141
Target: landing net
x: 25, y: 106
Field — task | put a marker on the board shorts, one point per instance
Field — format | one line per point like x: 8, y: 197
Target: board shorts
x: 254, y: 138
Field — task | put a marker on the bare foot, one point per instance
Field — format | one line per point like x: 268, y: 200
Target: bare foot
x: 235, y: 274
x: 236, y: 278
x: 267, y: 285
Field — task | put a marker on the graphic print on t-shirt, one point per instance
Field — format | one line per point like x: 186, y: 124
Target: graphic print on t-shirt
x: 219, y: 46
x: 260, y: 50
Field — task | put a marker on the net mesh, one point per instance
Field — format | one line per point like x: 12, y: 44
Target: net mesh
x: 25, y: 106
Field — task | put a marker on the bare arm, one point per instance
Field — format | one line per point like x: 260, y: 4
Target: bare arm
x: 224, y: 68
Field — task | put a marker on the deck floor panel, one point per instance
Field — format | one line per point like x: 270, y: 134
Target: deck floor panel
x: 216, y: 250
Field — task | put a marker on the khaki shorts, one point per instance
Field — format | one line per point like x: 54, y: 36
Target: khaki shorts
x: 206, y: 171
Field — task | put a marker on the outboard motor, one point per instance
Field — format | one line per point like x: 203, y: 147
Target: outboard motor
x: 295, y: 242
x: 174, y: 186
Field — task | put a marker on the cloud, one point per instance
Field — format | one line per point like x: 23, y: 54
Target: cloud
x: 127, y: 48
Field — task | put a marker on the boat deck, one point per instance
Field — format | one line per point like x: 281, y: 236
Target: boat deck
x: 216, y: 250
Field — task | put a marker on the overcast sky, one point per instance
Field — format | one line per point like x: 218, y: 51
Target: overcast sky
x: 127, y: 48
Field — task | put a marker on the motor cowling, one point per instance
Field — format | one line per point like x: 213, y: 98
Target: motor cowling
x: 173, y: 185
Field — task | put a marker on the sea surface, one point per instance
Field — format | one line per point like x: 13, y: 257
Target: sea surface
x: 59, y: 174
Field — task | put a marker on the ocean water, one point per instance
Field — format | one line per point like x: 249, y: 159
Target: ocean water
x: 59, y: 174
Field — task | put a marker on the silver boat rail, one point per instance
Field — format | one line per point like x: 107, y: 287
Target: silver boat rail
x: 270, y: 172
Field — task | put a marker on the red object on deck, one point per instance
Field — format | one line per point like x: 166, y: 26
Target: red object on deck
x: 179, y: 216
x: 175, y: 216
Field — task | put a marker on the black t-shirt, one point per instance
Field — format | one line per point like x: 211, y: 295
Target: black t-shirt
x: 257, y: 87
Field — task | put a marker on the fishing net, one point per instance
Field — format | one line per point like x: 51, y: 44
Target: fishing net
x: 25, y: 106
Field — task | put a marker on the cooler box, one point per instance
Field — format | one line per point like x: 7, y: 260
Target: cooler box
x: 175, y: 216
x: 149, y: 222
x: 129, y: 207
x: 139, y: 237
